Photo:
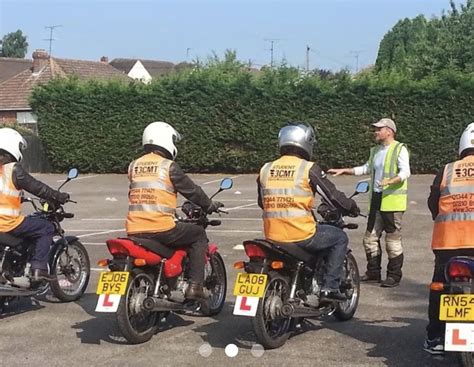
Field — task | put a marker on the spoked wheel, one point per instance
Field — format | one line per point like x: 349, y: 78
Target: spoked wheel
x: 72, y: 269
x: 467, y: 359
x: 271, y: 329
x: 350, y: 286
x: 136, y: 324
x: 215, y: 285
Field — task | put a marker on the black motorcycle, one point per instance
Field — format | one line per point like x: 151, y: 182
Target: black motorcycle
x: 68, y: 262
x: 286, y: 282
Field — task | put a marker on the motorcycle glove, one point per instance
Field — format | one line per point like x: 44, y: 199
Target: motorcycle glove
x: 214, y: 207
x: 62, y: 197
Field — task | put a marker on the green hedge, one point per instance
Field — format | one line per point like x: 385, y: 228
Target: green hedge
x: 230, y: 117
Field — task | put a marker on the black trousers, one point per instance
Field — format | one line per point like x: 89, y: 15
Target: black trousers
x: 435, y: 327
x: 190, y: 236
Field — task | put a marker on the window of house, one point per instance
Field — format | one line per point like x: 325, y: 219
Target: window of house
x: 26, y: 118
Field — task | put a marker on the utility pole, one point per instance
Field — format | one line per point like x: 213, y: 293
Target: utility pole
x: 356, y: 54
x: 51, y: 39
x: 272, y: 41
x: 187, y: 53
x: 307, y: 57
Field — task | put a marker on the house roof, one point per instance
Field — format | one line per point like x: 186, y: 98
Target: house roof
x: 15, y: 92
x: 10, y: 67
x: 154, y: 67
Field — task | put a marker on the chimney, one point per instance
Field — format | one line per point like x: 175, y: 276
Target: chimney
x: 40, y: 60
x: 104, y: 60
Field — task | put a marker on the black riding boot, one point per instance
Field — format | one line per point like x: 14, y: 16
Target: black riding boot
x: 394, y: 272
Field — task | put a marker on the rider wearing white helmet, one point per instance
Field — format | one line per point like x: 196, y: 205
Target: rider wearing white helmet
x: 155, y: 180
x: 13, y: 180
x: 286, y: 189
x: 453, y: 231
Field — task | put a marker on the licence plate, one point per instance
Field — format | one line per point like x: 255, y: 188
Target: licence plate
x: 456, y: 307
x: 250, y: 285
x: 112, y: 282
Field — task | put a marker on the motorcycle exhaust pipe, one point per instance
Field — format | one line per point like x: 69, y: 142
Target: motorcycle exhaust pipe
x: 288, y: 310
x: 158, y: 304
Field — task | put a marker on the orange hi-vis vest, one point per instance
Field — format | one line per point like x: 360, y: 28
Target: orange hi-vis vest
x: 287, y: 200
x: 454, y: 224
x: 10, y: 200
x: 152, y: 197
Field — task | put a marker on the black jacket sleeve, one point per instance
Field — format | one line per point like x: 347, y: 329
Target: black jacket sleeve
x: 435, y: 194
x: 259, y: 193
x: 186, y: 187
x: 24, y: 181
x: 321, y: 185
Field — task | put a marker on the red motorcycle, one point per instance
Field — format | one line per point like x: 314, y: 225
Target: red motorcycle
x: 144, y: 286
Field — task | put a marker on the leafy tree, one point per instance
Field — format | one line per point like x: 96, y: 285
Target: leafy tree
x: 14, y: 44
x: 419, y: 47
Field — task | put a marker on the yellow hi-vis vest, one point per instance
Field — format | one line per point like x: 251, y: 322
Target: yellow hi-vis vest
x: 287, y: 200
x: 10, y: 200
x: 394, y: 197
x: 454, y: 224
x: 152, y: 197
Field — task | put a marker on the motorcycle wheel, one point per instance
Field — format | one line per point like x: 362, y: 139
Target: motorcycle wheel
x: 215, y: 285
x: 72, y: 270
x: 271, y: 329
x: 346, y: 310
x: 136, y: 324
x: 467, y: 359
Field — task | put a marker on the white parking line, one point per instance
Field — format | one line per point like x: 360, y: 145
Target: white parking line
x: 241, y: 206
x: 80, y: 178
x: 219, y: 180
x: 97, y: 233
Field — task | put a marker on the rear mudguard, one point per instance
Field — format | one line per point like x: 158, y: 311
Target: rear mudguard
x: 58, y: 246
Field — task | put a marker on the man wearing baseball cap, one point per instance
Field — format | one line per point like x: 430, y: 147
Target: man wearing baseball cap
x: 389, y: 169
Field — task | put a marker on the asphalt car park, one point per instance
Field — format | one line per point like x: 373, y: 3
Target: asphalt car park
x: 388, y: 328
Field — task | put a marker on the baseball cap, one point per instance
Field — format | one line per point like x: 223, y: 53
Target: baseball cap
x: 386, y: 123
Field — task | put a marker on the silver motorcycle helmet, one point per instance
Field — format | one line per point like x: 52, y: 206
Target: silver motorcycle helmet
x: 297, y: 134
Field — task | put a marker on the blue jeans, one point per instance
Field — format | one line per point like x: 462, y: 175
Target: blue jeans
x: 333, y: 241
x: 40, y: 232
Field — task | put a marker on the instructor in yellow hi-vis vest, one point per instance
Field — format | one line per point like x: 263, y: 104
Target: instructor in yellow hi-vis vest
x: 389, y: 168
x: 286, y: 189
x: 453, y: 231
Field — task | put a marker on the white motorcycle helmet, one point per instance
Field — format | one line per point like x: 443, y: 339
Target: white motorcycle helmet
x: 297, y: 134
x: 163, y: 135
x: 467, y: 138
x: 12, y: 142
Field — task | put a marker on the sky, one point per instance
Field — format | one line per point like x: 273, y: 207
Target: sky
x: 339, y: 33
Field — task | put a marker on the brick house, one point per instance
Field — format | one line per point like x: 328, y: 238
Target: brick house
x: 16, y: 90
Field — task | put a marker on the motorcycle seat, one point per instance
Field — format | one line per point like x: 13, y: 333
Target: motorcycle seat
x: 294, y: 250
x: 10, y: 240
x: 154, y: 246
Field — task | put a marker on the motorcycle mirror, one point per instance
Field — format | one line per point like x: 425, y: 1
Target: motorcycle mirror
x: 362, y: 187
x: 226, y: 183
x: 73, y: 173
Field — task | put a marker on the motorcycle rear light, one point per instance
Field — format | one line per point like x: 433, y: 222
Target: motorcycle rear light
x: 103, y: 262
x: 459, y: 270
x: 254, y: 251
x: 139, y: 262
